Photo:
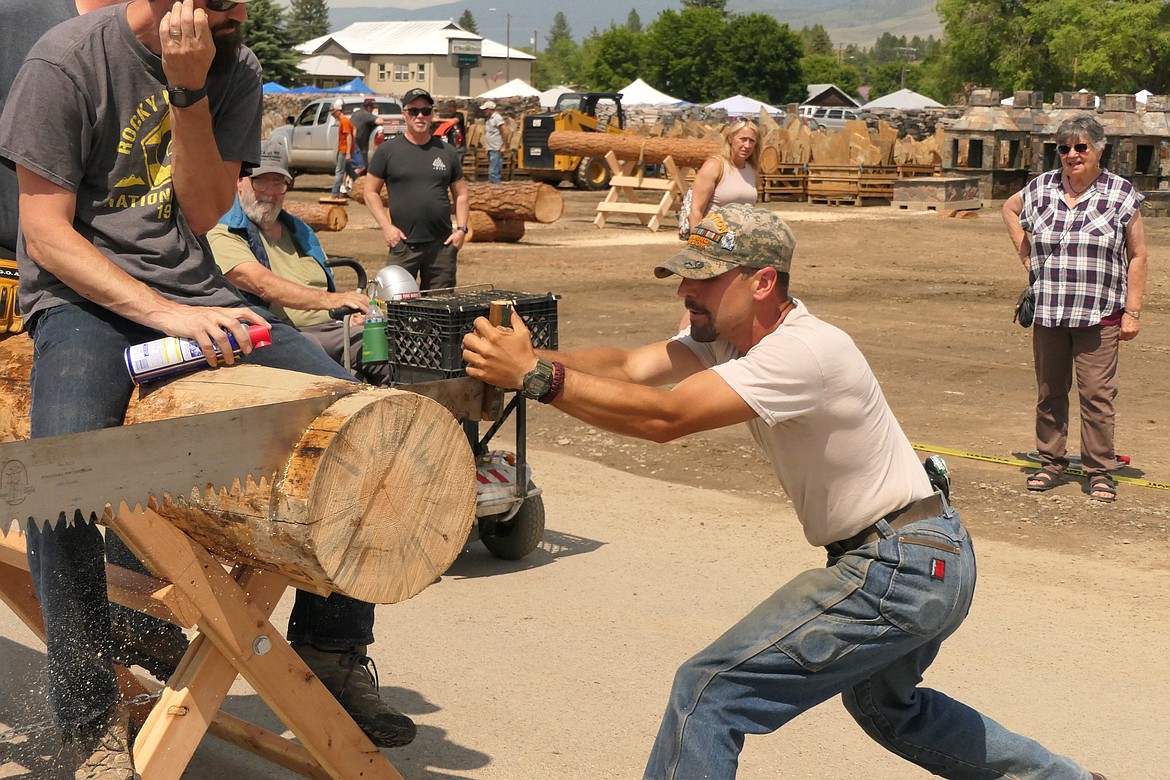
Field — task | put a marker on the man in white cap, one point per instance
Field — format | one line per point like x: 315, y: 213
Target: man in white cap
x: 159, y: 106
x: 495, y: 140
x: 901, y: 568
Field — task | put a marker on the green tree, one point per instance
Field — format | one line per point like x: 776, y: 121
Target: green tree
x: 633, y: 21
x: 827, y: 69
x: 762, y: 60
x: 561, y: 62
x: 683, y: 52
x: 718, y: 5
x: 267, y: 35
x: 816, y: 40
x: 308, y: 19
x: 616, y: 58
x: 467, y: 22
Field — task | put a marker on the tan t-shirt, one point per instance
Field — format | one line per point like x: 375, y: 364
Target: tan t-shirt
x: 231, y: 250
x: 738, y: 185
x: 824, y: 424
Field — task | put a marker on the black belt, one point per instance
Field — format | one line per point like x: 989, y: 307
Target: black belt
x: 922, y: 509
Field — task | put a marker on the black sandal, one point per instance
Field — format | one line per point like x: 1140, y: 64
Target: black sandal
x: 1103, y: 484
x: 1044, y: 479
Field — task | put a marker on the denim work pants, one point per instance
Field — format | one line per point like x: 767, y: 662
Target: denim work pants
x: 433, y: 262
x: 80, y: 383
x: 867, y: 626
x: 340, y: 169
x: 495, y: 166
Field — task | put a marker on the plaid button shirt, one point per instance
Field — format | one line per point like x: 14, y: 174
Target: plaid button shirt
x: 1079, y: 265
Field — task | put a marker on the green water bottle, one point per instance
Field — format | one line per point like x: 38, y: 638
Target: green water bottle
x: 375, y: 348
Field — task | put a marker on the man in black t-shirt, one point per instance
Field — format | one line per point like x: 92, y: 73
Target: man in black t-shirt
x: 424, y: 174
x: 364, y: 121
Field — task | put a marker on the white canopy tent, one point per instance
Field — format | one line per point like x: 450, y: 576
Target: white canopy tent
x: 904, y: 99
x: 740, y: 105
x: 514, y: 88
x: 638, y: 92
x: 548, y: 98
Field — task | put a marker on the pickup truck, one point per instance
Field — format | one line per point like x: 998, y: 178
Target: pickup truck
x: 310, y: 142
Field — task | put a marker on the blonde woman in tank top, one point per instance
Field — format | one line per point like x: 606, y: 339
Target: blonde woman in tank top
x: 730, y: 177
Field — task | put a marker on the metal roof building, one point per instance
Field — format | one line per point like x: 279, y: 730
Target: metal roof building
x: 441, y: 57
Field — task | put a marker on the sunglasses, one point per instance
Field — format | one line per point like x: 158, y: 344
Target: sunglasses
x: 1065, y: 148
x: 220, y: 6
x: 420, y: 110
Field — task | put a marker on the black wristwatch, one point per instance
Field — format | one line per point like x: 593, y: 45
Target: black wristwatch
x: 538, y: 381
x: 464, y: 228
x: 181, y: 97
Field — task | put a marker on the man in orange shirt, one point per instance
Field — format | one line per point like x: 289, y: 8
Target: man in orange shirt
x: 344, y: 147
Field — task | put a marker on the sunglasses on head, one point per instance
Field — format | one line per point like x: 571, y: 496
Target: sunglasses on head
x: 220, y: 6
x: 1065, y: 148
x: 420, y: 110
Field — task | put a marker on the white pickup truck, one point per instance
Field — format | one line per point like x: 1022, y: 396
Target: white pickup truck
x: 310, y: 142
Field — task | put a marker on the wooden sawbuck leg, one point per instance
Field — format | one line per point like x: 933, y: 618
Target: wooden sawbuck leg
x: 237, y: 638
x: 231, y: 611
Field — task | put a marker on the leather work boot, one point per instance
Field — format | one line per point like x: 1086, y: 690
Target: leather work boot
x: 158, y: 651
x: 352, y: 678
x: 105, y: 748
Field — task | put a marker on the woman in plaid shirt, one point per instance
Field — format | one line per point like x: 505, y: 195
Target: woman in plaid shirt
x: 1078, y: 230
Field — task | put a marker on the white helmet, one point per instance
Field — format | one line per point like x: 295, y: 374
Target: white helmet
x: 395, y: 283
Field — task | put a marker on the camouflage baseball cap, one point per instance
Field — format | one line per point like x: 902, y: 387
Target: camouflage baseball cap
x: 732, y: 236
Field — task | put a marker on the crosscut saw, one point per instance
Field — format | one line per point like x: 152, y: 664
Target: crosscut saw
x: 83, y: 472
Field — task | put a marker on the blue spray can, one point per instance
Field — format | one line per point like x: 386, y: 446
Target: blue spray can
x: 174, y: 355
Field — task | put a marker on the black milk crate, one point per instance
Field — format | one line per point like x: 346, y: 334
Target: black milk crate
x: 426, y: 334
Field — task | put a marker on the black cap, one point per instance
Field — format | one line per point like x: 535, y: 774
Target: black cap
x: 416, y: 93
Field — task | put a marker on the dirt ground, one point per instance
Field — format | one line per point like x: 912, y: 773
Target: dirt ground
x: 929, y: 302
x: 557, y: 667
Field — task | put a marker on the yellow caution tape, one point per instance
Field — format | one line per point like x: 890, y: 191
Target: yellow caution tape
x: 1026, y: 464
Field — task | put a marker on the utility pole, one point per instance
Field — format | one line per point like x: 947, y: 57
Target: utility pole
x: 507, y: 48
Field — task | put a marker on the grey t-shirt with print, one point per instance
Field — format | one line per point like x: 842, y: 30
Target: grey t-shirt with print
x: 111, y: 146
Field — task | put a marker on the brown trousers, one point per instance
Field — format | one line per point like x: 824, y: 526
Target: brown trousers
x: 1093, y: 353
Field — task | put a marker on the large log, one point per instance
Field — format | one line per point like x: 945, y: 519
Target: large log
x: 687, y: 152
x: 484, y: 228
x: 528, y: 201
x: 319, y: 216
x: 357, y: 191
x: 375, y: 501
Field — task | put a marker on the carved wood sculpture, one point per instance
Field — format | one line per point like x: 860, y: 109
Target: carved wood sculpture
x: 376, y: 500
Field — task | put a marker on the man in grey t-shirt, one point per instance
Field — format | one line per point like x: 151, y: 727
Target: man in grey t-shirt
x: 160, y: 109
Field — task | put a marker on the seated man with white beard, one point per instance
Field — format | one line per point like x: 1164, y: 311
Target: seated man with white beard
x: 276, y: 260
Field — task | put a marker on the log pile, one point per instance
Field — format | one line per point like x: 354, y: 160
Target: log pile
x: 498, y: 211
x: 375, y: 501
x: 319, y: 216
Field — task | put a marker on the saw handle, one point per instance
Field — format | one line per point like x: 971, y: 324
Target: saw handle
x: 500, y: 315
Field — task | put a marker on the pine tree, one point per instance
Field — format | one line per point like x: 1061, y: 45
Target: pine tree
x: 308, y: 19
x: 633, y: 21
x: 269, y: 38
x: 467, y: 22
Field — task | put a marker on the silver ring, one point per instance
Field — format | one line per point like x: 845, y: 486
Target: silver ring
x: 176, y: 33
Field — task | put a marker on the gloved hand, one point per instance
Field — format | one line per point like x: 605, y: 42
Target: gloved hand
x: 10, y: 319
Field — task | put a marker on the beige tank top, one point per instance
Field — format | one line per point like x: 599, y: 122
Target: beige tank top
x: 738, y: 185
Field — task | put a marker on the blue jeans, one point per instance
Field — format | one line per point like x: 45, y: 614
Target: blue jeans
x: 340, y: 169
x: 80, y: 383
x: 495, y: 166
x: 867, y: 626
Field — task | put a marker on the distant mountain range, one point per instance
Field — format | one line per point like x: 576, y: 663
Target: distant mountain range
x: 848, y: 21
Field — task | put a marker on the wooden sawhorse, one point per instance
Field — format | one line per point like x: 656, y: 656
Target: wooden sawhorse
x: 624, y: 183
x: 235, y: 637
